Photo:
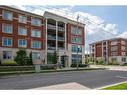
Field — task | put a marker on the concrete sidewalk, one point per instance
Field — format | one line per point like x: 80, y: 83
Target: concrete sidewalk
x: 65, y: 86
x: 117, y: 68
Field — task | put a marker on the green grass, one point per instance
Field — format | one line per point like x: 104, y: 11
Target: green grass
x: 122, y: 86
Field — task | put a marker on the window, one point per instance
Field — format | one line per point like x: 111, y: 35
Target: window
x: 22, y: 43
x: 123, y: 60
x: 114, y: 59
x: 36, y: 22
x: 114, y: 42
x: 7, y: 15
x: 74, y: 48
x: 123, y: 48
x: 36, y: 44
x: 22, y: 31
x: 35, y: 55
x: 76, y: 58
x: 123, y: 53
x: 123, y: 42
x: 36, y: 33
x: 7, y: 42
x: 7, y: 55
x: 114, y: 48
x: 114, y: 53
x: 76, y: 40
x: 7, y: 28
x: 22, y: 19
x: 75, y: 31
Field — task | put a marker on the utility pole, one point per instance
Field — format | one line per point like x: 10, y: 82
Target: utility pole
x: 78, y: 47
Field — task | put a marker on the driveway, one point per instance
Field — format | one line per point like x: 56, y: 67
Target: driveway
x: 88, y: 79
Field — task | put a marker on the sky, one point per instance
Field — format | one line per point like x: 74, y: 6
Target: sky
x: 102, y: 22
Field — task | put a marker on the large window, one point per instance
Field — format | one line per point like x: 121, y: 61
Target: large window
x: 114, y: 42
x: 36, y: 33
x: 7, y: 55
x: 123, y: 59
x: 22, y: 31
x: 76, y: 59
x: 22, y: 19
x: 35, y: 55
x: 7, y: 15
x: 22, y: 43
x: 115, y: 53
x: 76, y: 40
x: 36, y: 44
x: 76, y: 48
x: 7, y: 28
x: 76, y: 31
x: 114, y: 48
x: 36, y: 22
x: 7, y: 42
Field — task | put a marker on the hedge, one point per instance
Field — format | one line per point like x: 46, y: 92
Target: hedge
x: 79, y: 65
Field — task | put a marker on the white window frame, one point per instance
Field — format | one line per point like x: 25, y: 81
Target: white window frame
x: 8, y: 25
x: 6, y: 18
x: 35, y: 33
x: 23, y: 28
x: 35, y: 47
x: 22, y: 45
x: 8, y: 38
x: 22, y: 21
x: 32, y: 18
x: 7, y: 58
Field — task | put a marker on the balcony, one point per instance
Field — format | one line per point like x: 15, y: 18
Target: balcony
x: 51, y: 37
x: 49, y: 26
x: 51, y: 47
x: 61, y: 29
x: 61, y: 38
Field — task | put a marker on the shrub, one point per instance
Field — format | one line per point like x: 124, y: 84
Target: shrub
x: 79, y: 65
x: 9, y: 63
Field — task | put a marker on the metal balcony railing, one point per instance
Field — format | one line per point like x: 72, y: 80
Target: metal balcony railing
x: 61, y: 29
x: 51, y: 37
x: 51, y: 48
x: 61, y: 38
x: 49, y: 26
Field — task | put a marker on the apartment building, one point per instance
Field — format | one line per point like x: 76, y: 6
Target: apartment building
x: 110, y: 50
x: 41, y: 35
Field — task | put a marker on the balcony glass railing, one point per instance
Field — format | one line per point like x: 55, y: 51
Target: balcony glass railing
x: 61, y: 38
x: 51, y: 37
x: 61, y: 29
x: 49, y: 26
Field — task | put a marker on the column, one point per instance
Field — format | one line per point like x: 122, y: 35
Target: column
x: 46, y: 43
x: 65, y: 37
x: 102, y: 50
x: 56, y: 35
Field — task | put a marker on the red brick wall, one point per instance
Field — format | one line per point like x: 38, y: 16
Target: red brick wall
x: 15, y: 35
x: 98, y: 50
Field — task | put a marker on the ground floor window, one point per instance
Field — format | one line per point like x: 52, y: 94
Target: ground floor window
x: 114, y: 59
x: 76, y: 58
x: 123, y: 59
x: 35, y: 55
x: 7, y: 55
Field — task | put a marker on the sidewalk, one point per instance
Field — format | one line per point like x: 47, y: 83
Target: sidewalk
x: 117, y: 68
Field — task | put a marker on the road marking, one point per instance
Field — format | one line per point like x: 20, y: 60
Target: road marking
x: 124, y: 77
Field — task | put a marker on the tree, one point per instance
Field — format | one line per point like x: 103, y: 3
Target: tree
x: 30, y: 59
x: 55, y: 58
x: 21, y: 57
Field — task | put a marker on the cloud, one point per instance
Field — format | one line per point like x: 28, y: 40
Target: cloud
x: 123, y: 35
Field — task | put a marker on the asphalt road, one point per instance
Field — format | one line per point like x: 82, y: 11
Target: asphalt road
x: 90, y: 79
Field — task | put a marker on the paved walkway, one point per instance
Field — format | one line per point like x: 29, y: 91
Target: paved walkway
x: 65, y: 86
x: 117, y: 68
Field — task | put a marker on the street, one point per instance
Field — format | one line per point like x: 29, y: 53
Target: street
x: 91, y: 79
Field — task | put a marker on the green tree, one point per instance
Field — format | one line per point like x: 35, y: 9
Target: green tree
x: 21, y: 57
x: 30, y: 59
x: 55, y: 58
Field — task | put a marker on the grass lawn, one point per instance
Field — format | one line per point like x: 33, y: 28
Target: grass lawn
x: 122, y: 86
